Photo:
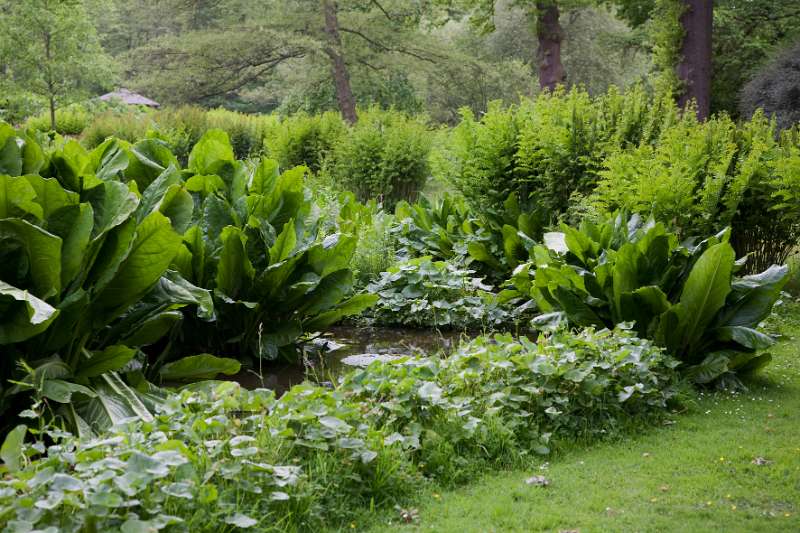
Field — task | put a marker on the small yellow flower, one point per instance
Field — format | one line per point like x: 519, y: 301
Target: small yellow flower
x: 787, y: 515
x: 653, y: 500
x: 709, y: 504
x: 721, y: 459
x: 436, y: 496
x: 352, y: 525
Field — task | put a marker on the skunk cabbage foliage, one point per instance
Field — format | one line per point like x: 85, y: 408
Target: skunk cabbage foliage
x: 255, y: 240
x: 492, y: 244
x: 685, y: 296
x: 80, y: 255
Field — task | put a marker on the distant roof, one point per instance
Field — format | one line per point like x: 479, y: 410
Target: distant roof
x: 130, y: 98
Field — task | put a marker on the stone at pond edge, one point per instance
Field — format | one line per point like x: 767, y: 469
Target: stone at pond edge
x: 364, y: 359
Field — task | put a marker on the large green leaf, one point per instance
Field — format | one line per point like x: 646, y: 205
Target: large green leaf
x: 264, y: 178
x: 18, y: 198
x: 71, y: 163
x: 748, y: 337
x: 114, y: 403
x: 710, y: 368
x: 106, y: 254
x: 278, y: 335
x: 205, y: 185
x: 642, y: 306
x: 150, y: 158
x: 513, y: 247
x: 113, y: 203
x: 11, y: 452
x: 31, y: 255
x: 217, y: 214
x: 73, y: 223
x: 198, y: 367
x: 152, y: 328
x: 22, y: 315
x: 151, y: 253
x: 480, y: 252
x: 332, y: 254
x: 625, y: 278
x: 10, y: 152
x: 109, y: 159
x: 177, y: 205
x: 96, y: 363
x: 234, y: 270
x: 61, y: 391
x: 577, y: 310
x: 284, y: 244
x: 155, y: 191
x: 704, y: 295
x: 211, y: 153
x: 752, y: 297
x: 331, y: 290
x: 50, y: 195
x: 193, y: 267
x: 350, y: 307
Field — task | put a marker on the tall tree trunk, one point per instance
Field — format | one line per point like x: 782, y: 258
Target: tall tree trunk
x: 548, y: 55
x: 694, y: 68
x: 341, y: 77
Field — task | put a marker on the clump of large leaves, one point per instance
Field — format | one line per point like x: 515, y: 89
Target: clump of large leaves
x: 254, y: 239
x: 685, y: 296
x: 423, y: 293
x: 492, y: 244
x: 83, y: 279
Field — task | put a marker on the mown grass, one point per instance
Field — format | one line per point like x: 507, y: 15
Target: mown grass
x: 696, y: 473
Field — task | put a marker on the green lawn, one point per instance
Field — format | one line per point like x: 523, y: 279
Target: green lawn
x: 696, y: 474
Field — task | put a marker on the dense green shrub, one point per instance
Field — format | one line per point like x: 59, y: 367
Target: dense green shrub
x: 702, y: 177
x: 566, y: 156
x: 129, y: 126
x: 685, y: 296
x: 384, y: 156
x: 181, y: 128
x: 75, y: 118
x: 544, y: 151
x: 304, y: 139
x: 70, y: 120
x: 220, y: 456
x: 245, y: 131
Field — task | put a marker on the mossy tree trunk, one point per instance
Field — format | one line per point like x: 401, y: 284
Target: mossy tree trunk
x: 694, y: 68
x: 548, y: 56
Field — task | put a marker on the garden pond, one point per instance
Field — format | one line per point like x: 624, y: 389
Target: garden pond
x: 345, y: 347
